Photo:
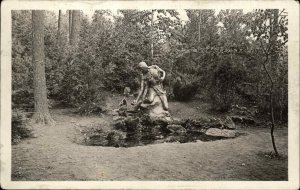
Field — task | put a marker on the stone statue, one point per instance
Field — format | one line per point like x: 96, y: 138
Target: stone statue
x: 152, y: 97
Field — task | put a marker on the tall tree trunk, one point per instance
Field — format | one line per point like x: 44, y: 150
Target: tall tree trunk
x: 274, y: 60
x: 199, y: 27
x: 41, y: 110
x: 59, y: 36
x: 59, y: 26
x: 274, y: 36
x: 272, y: 119
x: 271, y: 105
x: 75, y: 29
x: 151, y: 43
x: 281, y: 103
x: 70, y: 24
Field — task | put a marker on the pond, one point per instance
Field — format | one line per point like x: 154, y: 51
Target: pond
x: 141, y: 130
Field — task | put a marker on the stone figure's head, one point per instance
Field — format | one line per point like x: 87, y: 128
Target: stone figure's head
x: 143, y: 66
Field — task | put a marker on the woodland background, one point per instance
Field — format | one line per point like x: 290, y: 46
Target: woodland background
x: 70, y: 69
x: 226, y: 58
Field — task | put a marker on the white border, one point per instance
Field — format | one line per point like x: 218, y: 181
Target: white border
x: 293, y: 131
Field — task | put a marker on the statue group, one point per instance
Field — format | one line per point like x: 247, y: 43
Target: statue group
x: 148, y: 118
x: 152, y: 98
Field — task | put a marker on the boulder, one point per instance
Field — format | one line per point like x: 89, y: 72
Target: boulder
x: 115, y: 138
x: 177, y: 121
x: 199, y: 123
x: 132, y: 121
x: 206, y: 119
x: 248, y: 121
x: 228, y: 123
x: 156, y: 132
x: 215, y: 124
x: 178, y: 129
x: 195, y: 126
x: 118, y: 118
x: 163, y: 121
x: 221, y: 133
x: 212, y: 119
x: 237, y: 119
x: 243, y: 120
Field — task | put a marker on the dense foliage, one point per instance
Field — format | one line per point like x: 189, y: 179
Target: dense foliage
x: 19, y: 130
x: 217, y: 55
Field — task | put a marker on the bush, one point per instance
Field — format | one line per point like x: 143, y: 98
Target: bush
x: 223, y: 85
x: 280, y: 106
x: 96, y: 137
x: 116, y: 138
x: 116, y: 79
x: 23, y: 99
x: 18, y: 126
x: 90, y: 101
x: 184, y: 91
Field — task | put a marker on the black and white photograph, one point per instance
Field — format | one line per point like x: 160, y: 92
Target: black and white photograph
x: 149, y: 93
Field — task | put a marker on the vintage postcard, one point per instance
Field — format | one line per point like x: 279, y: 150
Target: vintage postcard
x: 149, y: 94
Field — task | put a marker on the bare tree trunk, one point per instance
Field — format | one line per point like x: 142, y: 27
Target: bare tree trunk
x: 70, y: 24
x: 272, y: 119
x: 59, y: 26
x: 281, y: 103
x: 199, y: 27
x: 274, y: 60
x: 41, y: 110
x: 59, y: 36
x: 271, y: 51
x: 273, y: 38
x: 257, y: 89
x: 151, y: 43
x: 75, y: 29
x: 271, y: 107
x: 171, y: 70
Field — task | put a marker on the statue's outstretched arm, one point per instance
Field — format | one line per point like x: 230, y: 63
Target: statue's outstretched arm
x: 160, y: 70
x: 163, y: 73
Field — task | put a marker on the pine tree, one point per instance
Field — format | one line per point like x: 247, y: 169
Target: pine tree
x: 41, y: 110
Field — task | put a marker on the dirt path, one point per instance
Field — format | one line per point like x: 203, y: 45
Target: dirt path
x: 53, y: 156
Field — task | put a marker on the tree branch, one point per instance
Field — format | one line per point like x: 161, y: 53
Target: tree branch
x: 281, y: 12
x: 263, y: 47
x: 265, y: 68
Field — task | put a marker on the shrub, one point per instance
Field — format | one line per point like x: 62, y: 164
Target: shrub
x: 97, y: 104
x: 91, y: 102
x: 223, y: 85
x: 280, y: 106
x: 116, y: 138
x: 184, y: 91
x: 116, y: 79
x: 18, y: 126
x: 23, y: 99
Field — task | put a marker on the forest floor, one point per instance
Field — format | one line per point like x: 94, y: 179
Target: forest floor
x: 53, y: 155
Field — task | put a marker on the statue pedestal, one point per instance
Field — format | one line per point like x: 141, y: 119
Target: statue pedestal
x: 155, y: 109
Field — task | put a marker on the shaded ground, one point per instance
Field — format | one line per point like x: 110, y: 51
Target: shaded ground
x: 53, y: 155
